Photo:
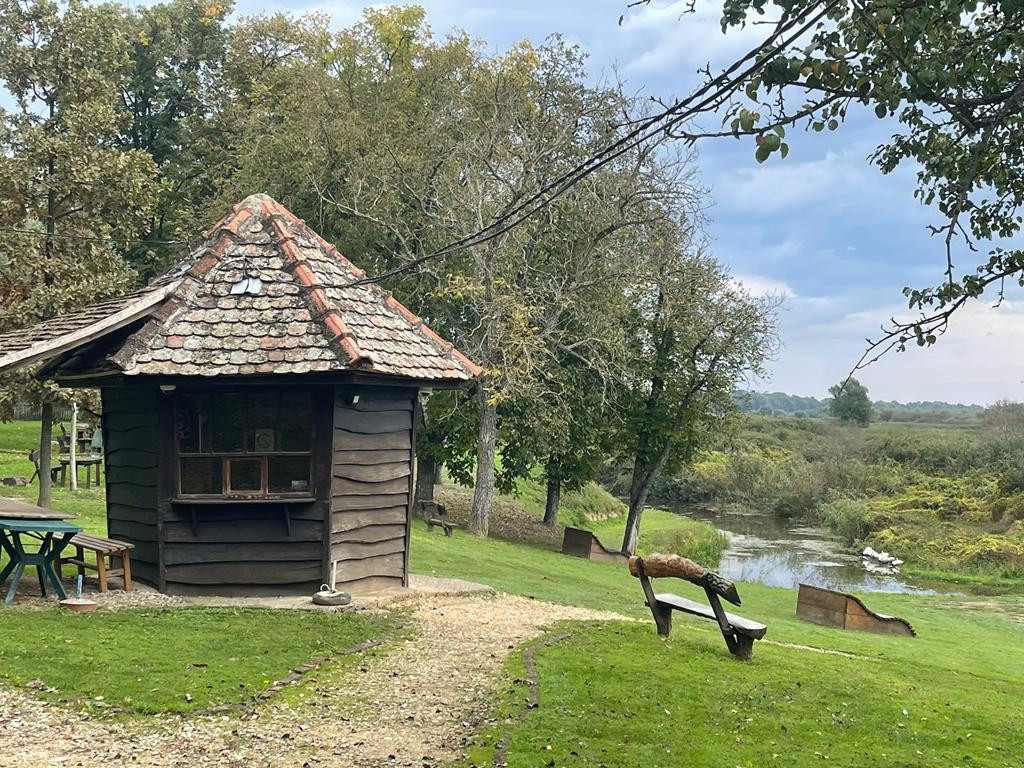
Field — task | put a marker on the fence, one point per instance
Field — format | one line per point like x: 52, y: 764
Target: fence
x: 26, y: 412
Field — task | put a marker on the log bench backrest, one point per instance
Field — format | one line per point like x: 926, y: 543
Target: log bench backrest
x: 739, y: 633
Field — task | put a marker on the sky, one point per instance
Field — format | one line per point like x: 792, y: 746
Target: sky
x: 823, y: 228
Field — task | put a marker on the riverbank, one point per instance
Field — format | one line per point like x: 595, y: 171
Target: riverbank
x: 941, y: 498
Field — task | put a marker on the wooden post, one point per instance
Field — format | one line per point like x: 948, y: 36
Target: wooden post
x: 45, y: 436
x: 73, y: 448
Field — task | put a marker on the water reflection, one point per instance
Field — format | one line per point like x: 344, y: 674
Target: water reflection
x: 784, y: 553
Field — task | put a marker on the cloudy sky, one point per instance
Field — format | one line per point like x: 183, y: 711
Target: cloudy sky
x: 823, y: 228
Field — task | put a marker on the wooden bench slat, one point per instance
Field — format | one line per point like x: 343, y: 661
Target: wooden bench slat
x: 742, y: 625
x: 100, y: 544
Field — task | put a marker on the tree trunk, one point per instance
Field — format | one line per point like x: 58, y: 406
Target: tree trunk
x: 554, y: 492
x: 643, y: 476
x: 73, y: 450
x: 483, y: 492
x: 426, y: 477
x: 45, y: 436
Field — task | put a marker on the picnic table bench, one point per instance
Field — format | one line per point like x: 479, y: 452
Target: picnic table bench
x: 739, y: 632
x: 103, y: 548
x: 53, y: 536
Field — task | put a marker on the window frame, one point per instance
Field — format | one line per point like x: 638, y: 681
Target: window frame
x: 226, y: 457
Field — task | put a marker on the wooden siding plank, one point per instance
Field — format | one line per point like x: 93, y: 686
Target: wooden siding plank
x: 377, y: 501
x: 131, y: 495
x: 372, y: 423
x: 369, y: 584
x: 131, y: 513
x: 355, y: 441
x: 350, y: 551
x: 372, y: 456
x: 119, y: 529
x: 384, y: 565
x: 243, y: 531
x: 373, y: 473
x: 191, y: 552
x: 242, y: 511
x: 342, y: 487
x: 369, y: 534
x: 350, y: 521
x: 371, y: 402
x: 268, y: 573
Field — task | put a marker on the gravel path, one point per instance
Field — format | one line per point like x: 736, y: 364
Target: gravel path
x: 411, y: 704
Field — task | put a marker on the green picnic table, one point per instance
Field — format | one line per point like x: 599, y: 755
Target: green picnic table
x: 53, y: 536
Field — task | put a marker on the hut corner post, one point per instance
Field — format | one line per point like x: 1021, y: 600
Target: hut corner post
x: 45, y: 456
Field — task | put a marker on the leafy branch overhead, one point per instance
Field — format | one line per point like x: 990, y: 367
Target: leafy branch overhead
x: 948, y: 77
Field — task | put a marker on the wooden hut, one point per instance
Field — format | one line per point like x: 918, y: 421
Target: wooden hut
x: 258, y: 411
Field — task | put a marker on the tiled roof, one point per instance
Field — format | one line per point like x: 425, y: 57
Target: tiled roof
x: 264, y: 294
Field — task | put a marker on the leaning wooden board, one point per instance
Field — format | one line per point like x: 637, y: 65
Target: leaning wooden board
x: 12, y: 509
x: 838, y: 609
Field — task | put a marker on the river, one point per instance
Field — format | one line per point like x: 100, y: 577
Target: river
x: 784, y: 553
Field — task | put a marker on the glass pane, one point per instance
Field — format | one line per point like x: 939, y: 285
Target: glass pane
x: 186, y: 425
x: 245, y: 475
x: 227, y: 423
x: 263, y: 423
x: 288, y: 474
x: 202, y: 475
x: 296, y: 422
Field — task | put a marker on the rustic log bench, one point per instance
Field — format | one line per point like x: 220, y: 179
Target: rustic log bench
x: 435, y: 513
x: 739, y: 632
x: 103, y: 548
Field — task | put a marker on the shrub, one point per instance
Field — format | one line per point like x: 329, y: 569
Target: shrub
x: 848, y: 518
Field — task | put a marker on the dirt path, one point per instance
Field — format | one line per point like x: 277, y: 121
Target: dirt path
x: 411, y: 705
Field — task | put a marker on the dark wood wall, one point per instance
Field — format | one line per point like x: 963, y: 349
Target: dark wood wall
x: 371, y: 487
x: 362, y: 467
x: 131, y: 439
x: 240, y: 547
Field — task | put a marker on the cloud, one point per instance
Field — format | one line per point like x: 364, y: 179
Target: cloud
x: 760, y: 285
x: 979, y: 360
x: 781, y: 185
x: 674, y: 38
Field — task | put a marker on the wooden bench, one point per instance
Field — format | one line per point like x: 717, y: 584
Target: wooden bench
x: 435, y: 514
x: 739, y: 632
x: 102, y: 548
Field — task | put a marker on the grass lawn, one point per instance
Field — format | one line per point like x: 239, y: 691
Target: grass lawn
x: 17, y: 438
x: 617, y: 695
x: 167, y: 660
x: 613, y: 693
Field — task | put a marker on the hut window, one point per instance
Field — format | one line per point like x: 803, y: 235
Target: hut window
x: 244, y: 444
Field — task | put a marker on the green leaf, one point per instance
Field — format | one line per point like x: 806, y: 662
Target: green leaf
x: 784, y: 150
x: 881, y: 111
x: 762, y: 153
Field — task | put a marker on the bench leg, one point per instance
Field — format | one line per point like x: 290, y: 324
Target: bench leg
x: 743, y: 647
x: 126, y: 564
x: 101, y: 570
x: 662, y: 619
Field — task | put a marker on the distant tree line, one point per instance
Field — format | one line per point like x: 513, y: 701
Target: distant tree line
x: 782, y: 404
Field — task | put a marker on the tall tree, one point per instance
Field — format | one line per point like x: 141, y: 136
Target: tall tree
x: 68, y: 196
x: 694, y: 335
x: 850, y: 402
x: 176, y: 58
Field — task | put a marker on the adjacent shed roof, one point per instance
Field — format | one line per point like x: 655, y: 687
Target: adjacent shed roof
x: 263, y: 294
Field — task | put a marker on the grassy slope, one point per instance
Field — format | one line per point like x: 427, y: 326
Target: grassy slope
x: 687, y: 702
